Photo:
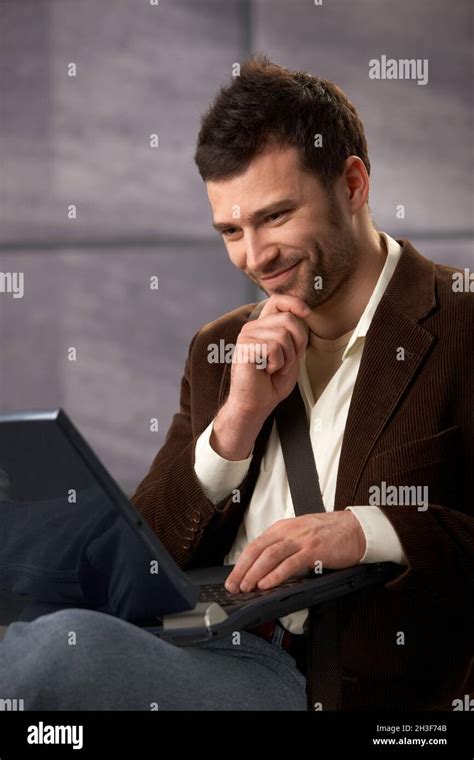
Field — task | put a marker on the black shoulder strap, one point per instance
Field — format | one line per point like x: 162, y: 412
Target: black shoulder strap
x: 300, y: 466
x: 324, y: 642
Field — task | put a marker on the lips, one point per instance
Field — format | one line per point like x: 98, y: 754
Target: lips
x: 275, y: 275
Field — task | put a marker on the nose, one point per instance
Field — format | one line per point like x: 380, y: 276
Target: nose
x: 258, y: 252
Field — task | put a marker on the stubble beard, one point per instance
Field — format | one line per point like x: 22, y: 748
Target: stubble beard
x: 324, y: 274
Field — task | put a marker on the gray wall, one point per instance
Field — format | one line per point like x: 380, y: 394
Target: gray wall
x: 144, y: 212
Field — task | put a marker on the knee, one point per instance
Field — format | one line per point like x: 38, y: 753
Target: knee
x: 71, y: 658
x: 60, y: 641
x: 76, y: 634
x: 73, y: 623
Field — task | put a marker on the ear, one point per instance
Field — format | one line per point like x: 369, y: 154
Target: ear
x: 356, y: 183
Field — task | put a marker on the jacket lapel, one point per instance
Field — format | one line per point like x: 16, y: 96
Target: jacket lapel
x: 383, y: 378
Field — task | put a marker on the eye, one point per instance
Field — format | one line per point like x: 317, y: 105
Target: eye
x: 273, y: 217
x: 229, y: 232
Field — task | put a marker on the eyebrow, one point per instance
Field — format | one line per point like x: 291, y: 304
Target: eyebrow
x: 271, y: 208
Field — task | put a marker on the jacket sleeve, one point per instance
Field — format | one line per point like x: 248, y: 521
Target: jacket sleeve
x: 170, y: 497
x: 439, y: 542
x: 439, y: 546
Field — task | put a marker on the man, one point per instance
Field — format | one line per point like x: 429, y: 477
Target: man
x: 380, y: 347
x: 387, y: 381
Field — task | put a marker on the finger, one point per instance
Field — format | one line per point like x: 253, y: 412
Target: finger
x: 292, y: 304
x: 250, y: 554
x: 294, y: 565
x: 278, y: 342
x: 260, y: 352
x: 297, y: 328
x: 269, y: 559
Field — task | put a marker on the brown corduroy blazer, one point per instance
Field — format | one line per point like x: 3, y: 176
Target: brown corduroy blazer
x: 410, y: 423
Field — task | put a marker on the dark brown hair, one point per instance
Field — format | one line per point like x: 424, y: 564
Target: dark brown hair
x: 269, y: 102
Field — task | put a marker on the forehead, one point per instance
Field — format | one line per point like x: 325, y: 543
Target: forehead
x: 275, y: 173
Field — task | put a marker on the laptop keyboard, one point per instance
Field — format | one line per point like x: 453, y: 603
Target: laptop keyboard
x: 216, y: 592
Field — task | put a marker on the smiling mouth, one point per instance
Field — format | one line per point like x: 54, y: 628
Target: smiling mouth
x: 281, y: 274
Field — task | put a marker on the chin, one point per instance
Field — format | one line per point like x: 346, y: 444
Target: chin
x: 290, y: 291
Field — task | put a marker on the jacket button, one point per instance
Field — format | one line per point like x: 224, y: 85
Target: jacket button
x: 186, y: 545
x: 196, y: 516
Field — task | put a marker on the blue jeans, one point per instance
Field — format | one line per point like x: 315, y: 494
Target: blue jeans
x: 81, y: 554
x: 79, y: 659
x: 60, y: 656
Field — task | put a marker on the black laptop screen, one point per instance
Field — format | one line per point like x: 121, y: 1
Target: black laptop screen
x: 67, y: 539
x: 38, y: 462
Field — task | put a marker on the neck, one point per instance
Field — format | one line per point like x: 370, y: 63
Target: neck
x: 343, y: 310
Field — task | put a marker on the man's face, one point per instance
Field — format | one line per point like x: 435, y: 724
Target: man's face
x: 283, y: 229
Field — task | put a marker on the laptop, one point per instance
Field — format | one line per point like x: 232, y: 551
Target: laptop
x: 51, y: 482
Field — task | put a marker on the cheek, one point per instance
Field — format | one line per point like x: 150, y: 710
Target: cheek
x: 298, y: 230
x: 237, y: 255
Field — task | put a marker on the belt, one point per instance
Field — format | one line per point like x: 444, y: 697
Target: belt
x: 273, y: 631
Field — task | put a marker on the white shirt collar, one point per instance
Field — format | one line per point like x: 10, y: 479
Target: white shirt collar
x: 360, y: 331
